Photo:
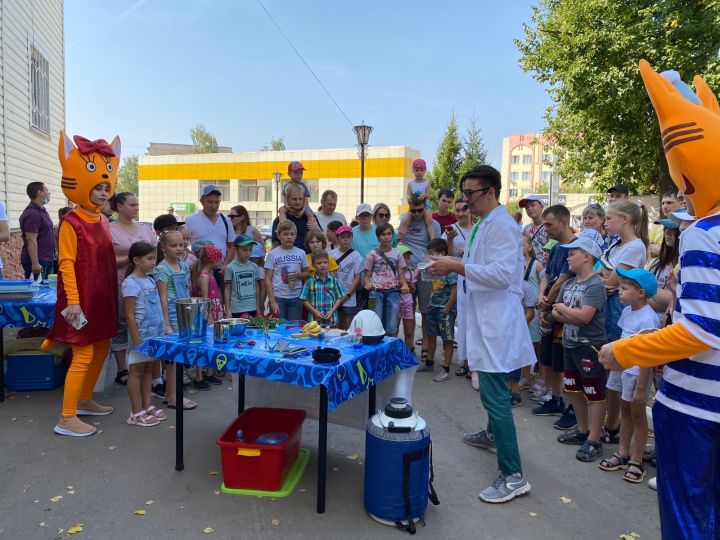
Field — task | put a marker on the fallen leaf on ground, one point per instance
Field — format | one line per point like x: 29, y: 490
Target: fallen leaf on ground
x: 36, y: 501
x: 566, y: 500
x: 42, y: 524
x: 275, y: 522
x: 71, y: 492
x: 100, y: 431
x: 26, y: 488
x: 303, y: 490
x: 14, y: 419
x: 96, y: 423
x: 352, y: 456
x: 112, y: 447
x: 216, y: 492
x: 213, y: 473
x: 149, y: 502
x: 56, y: 498
x: 533, y: 514
x: 76, y: 529
x: 69, y: 487
x: 629, y: 536
x: 60, y: 531
x: 139, y: 512
x: 634, y: 535
x: 208, y: 530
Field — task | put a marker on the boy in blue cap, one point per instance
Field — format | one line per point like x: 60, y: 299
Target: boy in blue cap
x: 637, y: 286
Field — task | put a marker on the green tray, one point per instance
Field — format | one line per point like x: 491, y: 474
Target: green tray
x: 291, y: 480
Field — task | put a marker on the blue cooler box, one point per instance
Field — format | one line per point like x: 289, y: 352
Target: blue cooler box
x: 32, y: 370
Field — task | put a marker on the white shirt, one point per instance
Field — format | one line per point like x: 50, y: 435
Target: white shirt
x: 460, y: 238
x: 3, y: 217
x: 632, y: 254
x: 492, y: 332
x: 350, y: 266
x: 201, y: 228
x: 633, y: 321
x: 324, y: 220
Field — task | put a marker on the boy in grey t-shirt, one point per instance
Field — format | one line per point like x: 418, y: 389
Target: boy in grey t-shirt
x: 581, y: 307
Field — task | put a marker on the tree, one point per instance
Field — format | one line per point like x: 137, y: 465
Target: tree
x: 474, y: 152
x: 127, y: 177
x: 445, y: 171
x: 587, y: 51
x: 276, y: 144
x: 203, y: 141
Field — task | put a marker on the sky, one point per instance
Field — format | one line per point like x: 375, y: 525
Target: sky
x: 150, y: 70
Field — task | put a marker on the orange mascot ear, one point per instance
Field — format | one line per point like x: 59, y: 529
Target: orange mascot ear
x: 690, y: 131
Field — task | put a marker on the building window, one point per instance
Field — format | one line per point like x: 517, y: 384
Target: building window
x: 547, y: 158
x: 255, y: 190
x: 39, y: 91
x: 527, y: 159
x: 314, y: 187
x: 222, y: 185
x: 515, y: 160
x: 513, y: 193
x: 514, y: 176
x: 261, y: 218
x: 526, y: 176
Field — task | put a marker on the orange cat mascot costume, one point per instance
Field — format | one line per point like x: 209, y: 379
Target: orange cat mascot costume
x: 87, y: 276
x: 686, y: 414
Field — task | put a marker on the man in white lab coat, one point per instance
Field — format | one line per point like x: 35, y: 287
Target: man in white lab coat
x: 492, y: 331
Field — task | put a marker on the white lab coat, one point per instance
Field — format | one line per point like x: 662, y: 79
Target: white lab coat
x: 492, y: 332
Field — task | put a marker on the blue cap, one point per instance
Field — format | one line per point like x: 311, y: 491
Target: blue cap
x: 668, y: 223
x: 646, y: 280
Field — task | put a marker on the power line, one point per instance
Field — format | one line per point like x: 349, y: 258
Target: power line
x: 306, y: 64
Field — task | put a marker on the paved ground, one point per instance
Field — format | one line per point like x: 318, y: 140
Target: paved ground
x: 118, y: 471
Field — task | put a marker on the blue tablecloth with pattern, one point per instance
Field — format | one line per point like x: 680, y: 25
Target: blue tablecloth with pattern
x: 357, y: 369
x: 35, y: 312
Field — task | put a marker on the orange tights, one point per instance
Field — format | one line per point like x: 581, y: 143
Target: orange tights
x: 84, y: 371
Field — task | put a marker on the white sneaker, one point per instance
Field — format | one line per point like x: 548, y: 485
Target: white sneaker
x: 541, y: 398
x: 441, y: 376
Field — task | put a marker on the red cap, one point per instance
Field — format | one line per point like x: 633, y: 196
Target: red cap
x: 343, y: 229
x: 419, y: 164
x: 295, y: 166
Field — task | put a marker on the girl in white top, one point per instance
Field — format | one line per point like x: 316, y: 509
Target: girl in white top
x: 458, y: 233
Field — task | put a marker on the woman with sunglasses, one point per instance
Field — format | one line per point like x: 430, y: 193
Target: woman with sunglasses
x: 240, y: 220
x: 458, y: 233
x: 381, y: 214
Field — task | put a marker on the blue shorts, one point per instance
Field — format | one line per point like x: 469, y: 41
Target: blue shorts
x: 436, y: 324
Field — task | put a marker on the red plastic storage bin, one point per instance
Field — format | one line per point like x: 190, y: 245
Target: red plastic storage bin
x: 260, y: 466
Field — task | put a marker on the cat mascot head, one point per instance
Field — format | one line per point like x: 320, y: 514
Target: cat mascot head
x: 86, y: 164
x: 690, y: 131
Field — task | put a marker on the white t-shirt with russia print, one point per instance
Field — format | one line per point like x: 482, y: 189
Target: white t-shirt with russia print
x: 280, y: 262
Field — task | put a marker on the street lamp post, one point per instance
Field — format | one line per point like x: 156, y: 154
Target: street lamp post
x: 276, y: 177
x: 362, y: 132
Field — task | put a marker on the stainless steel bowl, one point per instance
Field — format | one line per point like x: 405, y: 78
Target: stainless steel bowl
x: 237, y: 326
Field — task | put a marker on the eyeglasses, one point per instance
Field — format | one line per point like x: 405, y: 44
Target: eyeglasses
x: 233, y: 216
x: 463, y: 208
x: 417, y: 211
x: 467, y: 193
x: 382, y: 215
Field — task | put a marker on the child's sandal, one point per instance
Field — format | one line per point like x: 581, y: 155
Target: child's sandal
x: 122, y: 377
x: 636, y: 476
x: 157, y: 413
x: 614, y: 463
x: 142, y: 419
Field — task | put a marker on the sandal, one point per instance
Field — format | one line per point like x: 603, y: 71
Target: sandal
x: 188, y: 404
x: 648, y: 455
x: 573, y: 437
x: 418, y: 342
x: 122, y: 377
x: 614, y: 463
x: 610, y: 436
x: 142, y: 419
x: 152, y: 410
x: 459, y: 372
x: 589, y: 451
x: 635, y: 476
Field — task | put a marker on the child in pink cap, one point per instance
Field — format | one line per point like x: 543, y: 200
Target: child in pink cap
x: 419, y: 189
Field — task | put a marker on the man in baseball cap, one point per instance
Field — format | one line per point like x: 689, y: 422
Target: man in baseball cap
x: 166, y: 222
x: 617, y: 193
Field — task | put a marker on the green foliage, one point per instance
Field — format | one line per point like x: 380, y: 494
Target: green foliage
x: 127, y: 177
x: 587, y: 53
x: 474, y: 152
x: 276, y: 144
x: 447, y: 162
x: 203, y: 141
x: 512, y: 206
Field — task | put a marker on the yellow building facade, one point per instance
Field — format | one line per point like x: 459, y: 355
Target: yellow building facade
x: 247, y: 178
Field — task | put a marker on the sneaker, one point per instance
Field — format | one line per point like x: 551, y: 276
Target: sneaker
x: 212, y: 379
x: 551, y: 407
x: 541, y: 398
x: 158, y: 391
x: 538, y: 388
x: 73, y: 427
x: 652, y: 483
x: 589, y: 451
x: 442, y: 376
x: 515, y: 400
x: 428, y: 366
x: 201, y: 385
x: 92, y: 408
x: 481, y: 439
x: 573, y: 437
x: 505, y: 488
x: 142, y: 419
x: 567, y: 420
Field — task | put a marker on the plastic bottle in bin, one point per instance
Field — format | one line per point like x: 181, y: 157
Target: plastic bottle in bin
x: 273, y: 438
x: 239, y: 436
